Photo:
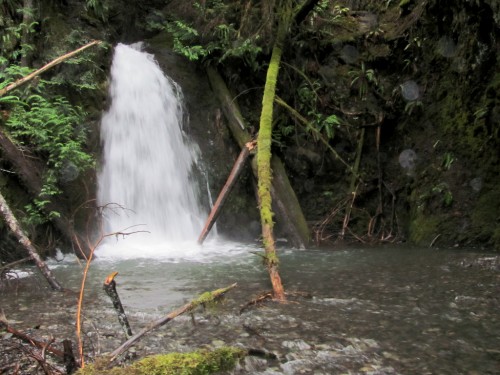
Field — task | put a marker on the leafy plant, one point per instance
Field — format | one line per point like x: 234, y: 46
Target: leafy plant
x: 363, y: 78
x: 99, y: 8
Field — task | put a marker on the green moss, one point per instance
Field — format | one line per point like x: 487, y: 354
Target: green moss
x: 486, y: 217
x: 423, y: 229
x: 199, y: 362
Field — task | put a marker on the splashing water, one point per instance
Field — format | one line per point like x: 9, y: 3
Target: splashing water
x: 146, y: 177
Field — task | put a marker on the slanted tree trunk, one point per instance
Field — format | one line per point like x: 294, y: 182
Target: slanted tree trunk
x: 285, y: 203
x: 26, y: 243
x: 224, y: 194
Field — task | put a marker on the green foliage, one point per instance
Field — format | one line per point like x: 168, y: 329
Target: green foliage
x: 99, y: 8
x: 412, y: 105
x: 319, y: 123
x: 363, y: 79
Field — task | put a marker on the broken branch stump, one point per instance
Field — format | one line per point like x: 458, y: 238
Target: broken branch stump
x: 110, y: 289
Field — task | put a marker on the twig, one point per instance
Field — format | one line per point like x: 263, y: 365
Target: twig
x: 434, y: 240
x: 24, y: 337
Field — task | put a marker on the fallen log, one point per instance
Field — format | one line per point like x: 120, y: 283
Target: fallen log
x: 224, y: 194
x: 51, y: 64
x: 110, y: 289
x: 288, y: 212
x: 26, y: 243
x: 201, y: 300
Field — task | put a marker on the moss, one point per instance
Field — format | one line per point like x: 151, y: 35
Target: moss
x: 486, y: 217
x: 423, y: 229
x: 199, y: 362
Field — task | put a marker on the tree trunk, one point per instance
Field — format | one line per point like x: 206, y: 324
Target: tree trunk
x: 264, y: 150
x: 26, y: 243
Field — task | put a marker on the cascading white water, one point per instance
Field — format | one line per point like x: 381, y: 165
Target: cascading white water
x: 147, y: 160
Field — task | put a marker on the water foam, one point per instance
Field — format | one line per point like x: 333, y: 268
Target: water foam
x: 146, y: 180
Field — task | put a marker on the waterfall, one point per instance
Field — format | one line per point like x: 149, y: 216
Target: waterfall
x: 147, y: 161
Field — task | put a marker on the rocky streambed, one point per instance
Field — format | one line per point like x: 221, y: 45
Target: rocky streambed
x: 356, y: 311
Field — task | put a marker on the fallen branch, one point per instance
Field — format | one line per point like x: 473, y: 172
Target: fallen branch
x: 24, y: 337
x: 228, y: 186
x: 110, y: 289
x: 51, y: 64
x: 26, y: 243
x: 201, y: 300
x: 15, y: 263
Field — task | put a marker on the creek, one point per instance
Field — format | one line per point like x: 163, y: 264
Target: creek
x: 380, y: 310
x: 391, y: 310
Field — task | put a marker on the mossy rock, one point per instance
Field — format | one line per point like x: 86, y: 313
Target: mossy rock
x: 423, y: 229
x: 200, y: 362
x: 486, y: 217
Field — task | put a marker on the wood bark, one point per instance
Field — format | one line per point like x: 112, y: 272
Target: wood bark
x: 26, y: 243
x: 203, y: 299
x: 28, y: 171
x: 226, y: 189
x: 287, y: 208
x: 46, y: 67
x: 109, y: 287
x: 264, y: 150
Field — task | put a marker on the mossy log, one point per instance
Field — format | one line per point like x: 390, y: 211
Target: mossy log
x: 286, y: 205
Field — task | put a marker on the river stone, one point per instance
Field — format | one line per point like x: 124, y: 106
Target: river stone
x: 408, y: 160
x: 410, y: 90
x: 296, y: 345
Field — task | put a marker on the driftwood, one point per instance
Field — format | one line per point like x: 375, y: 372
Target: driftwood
x: 26, y: 243
x: 30, y: 340
x: 109, y: 287
x: 46, y: 67
x: 288, y: 212
x: 224, y: 194
x: 201, y: 300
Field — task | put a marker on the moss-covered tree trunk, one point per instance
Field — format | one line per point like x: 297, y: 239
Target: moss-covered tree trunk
x: 264, y: 150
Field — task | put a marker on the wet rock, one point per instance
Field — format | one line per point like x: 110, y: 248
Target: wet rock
x: 296, y: 345
x: 299, y: 366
